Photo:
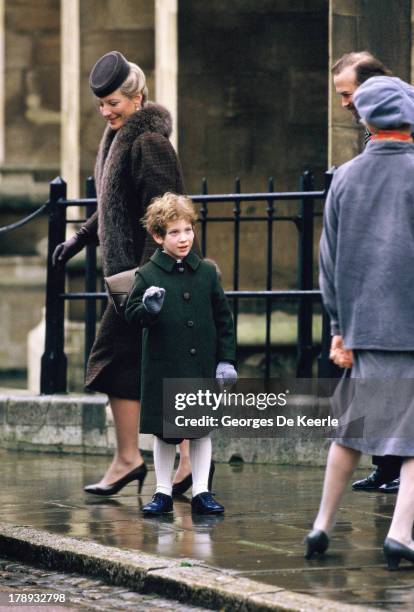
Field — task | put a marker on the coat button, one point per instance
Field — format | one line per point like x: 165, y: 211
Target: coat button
x: 186, y: 295
x: 190, y: 323
x: 180, y: 269
x: 193, y: 351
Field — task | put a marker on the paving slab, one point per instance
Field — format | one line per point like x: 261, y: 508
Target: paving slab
x: 269, y: 509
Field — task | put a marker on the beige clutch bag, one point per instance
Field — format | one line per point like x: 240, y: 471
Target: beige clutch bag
x: 119, y: 287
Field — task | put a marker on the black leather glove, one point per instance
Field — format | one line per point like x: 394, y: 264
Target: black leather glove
x: 66, y: 250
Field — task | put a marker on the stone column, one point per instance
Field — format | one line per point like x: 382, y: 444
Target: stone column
x: 166, y: 59
x: 381, y: 27
x: 2, y: 79
x: 70, y: 88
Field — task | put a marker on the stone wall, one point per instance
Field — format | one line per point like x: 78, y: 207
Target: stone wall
x: 252, y: 102
x: 22, y: 297
x: 381, y: 27
x: 81, y: 424
x: 32, y: 86
x: 128, y: 27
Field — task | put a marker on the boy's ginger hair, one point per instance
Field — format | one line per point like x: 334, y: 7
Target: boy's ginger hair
x: 165, y: 209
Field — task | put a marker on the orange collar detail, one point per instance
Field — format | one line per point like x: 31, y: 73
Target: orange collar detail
x: 391, y: 135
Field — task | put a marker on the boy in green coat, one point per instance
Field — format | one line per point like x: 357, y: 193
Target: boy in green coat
x: 188, y: 333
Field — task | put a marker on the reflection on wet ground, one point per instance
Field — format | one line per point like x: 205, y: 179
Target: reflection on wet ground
x: 269, y: 509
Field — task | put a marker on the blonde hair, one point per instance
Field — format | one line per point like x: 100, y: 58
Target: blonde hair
x: 167, y: 208
x: 135, y: 84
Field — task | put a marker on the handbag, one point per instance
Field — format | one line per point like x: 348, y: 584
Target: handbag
x: 119, y: 286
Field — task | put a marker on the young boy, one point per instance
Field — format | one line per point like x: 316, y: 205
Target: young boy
x: 188, y: 333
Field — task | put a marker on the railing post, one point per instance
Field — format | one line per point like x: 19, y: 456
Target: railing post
x: 269, y: 279
x: 90, y: 277
x: 236, y: 253
x: 54, y: 363
x: 305, y: 280
x: 203, y: 215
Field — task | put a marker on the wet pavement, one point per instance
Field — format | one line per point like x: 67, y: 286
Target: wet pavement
x: 269, y: 509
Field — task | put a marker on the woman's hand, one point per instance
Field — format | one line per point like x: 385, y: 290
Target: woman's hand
x: 66, y: 250
x: 342, y: 357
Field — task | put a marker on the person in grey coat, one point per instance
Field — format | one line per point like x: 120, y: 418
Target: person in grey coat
x: 366, y: 266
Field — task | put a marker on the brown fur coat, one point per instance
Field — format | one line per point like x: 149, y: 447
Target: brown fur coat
x: 135, y: 164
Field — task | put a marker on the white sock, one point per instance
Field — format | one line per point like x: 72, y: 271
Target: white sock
x: 164, y: 455
x: 200, y: 457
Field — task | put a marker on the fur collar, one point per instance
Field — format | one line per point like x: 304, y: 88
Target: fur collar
x: 113, y: 185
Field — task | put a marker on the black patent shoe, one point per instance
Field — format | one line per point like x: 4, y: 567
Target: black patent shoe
x: 139, y: 473
x: 179, y: 488
x: 371, y: 483
x: 204, y: 503
x: 316, y: 542
x: 390, y: 487
x: 395, y: 551
x: 160, y: 504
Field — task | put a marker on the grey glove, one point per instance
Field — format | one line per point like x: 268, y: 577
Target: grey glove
x: 153, y: 299
x: 226, y: 374
x: 66, y: 250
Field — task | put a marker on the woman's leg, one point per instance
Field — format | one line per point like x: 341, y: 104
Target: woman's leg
x: 127, y: 454
x: 341, y: 463
x: 184, y: 466
x: 200, y: 454
x: 402, y: 521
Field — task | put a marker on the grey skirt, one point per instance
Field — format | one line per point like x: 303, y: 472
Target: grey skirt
x: 375, y: 404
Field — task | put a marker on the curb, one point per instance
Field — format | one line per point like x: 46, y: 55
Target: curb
x: 187, y: 580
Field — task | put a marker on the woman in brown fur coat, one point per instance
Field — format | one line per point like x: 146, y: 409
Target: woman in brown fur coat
x: 136, y: 162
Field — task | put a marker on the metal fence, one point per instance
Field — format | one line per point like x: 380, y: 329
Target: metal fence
x: 54, y: 363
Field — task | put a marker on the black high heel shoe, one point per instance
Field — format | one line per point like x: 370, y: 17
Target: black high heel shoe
x: 316, y: 542
x: 395, y: 551
x: 139, y: 473
x: 179, y: 488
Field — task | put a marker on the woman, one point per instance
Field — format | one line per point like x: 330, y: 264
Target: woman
x: 366, y: 263
x: 136, y: 162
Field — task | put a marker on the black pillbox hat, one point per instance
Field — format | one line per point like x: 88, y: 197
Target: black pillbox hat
x: 109, y: 72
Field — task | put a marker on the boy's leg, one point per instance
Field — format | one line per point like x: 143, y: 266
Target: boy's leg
x: 200, y: 456
x: 164, y: 455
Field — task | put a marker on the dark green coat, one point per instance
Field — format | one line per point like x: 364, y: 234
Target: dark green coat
x: 191, y: 334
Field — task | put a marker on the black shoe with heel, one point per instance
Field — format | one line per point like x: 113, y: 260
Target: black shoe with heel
x: 179, y: 488
x: 139, y: 473
x: 316, y: 542
x: 395, y: 551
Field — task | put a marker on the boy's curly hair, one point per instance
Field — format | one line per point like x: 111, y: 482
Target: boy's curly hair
x: 167, y: 208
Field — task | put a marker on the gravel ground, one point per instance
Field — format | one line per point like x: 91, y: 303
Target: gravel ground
x: 80, y: 593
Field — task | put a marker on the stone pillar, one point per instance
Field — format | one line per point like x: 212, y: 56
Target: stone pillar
x: 381, y: 27
x: 2, y: 79
x: 166, y: 59
x: 70, y: 88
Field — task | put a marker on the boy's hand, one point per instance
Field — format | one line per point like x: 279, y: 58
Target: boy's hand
x: 153, y: 299
x: 226, y: 375
x: 341, y: 356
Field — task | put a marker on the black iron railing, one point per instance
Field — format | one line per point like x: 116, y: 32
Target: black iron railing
x: 54, y: 363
